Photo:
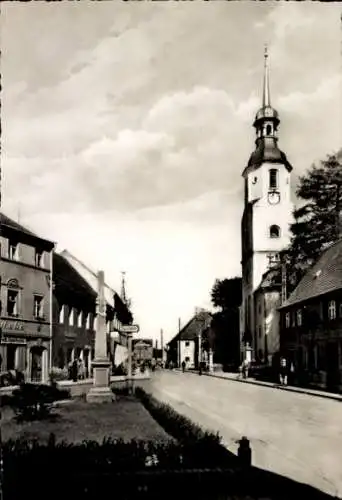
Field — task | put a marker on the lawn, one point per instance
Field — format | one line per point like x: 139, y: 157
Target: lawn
x: 77, y: 420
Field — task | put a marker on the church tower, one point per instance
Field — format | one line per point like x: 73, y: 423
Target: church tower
x: 267, y: 207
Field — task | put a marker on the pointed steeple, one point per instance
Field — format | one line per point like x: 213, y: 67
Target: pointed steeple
x: 266, y: 98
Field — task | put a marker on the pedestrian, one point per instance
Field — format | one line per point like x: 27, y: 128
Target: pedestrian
x: 183, y: 366
x: 200, y: 369
x: 74, y: 370
x: 81, y: 370
x: 245, y: 366
x: 283, y: 371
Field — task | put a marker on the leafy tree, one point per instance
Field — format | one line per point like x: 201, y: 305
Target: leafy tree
x: 227, y: 293
x: 318, y: 220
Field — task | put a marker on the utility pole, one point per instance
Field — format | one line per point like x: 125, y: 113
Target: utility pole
x: 162, y: 343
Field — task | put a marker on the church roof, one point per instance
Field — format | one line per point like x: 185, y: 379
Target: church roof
x: 267, y: 151
x: 325, y: 276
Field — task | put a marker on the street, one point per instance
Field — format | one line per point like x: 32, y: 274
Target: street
x: 296, y: 435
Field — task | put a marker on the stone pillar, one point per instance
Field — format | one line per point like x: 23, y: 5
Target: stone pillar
x: 100, y: 392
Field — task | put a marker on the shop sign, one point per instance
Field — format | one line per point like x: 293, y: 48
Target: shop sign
x: 11, y: 326
x: 12, y: 340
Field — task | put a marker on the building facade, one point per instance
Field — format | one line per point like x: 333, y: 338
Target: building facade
x: 311, y: 323
x: 74, y: 318
x: 118, y: 313
x: 188, y: 345
x: 267, y: 211
x: 26, y: 301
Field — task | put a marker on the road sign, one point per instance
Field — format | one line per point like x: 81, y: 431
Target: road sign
x: 129, y: 329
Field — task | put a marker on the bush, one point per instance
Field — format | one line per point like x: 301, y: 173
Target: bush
x: 57, y: 374
x: 11, y: 377
x: 32, y: 402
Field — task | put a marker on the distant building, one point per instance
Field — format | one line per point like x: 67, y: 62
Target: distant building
x: 265, y: 227
x: 142, y: 350
x: 311, y: 323
x: 26, y: 301
x: 188, y: 344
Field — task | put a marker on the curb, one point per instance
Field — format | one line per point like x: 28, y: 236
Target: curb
x: 335, y: 397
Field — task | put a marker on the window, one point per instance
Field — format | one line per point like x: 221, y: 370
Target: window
x: 13, y: 250
x: 288, y: 320
x: 88, y: 322
x: 95, y: 324
x: 274, y: 231
x: 79, y: 319
x: 187, y: 343
x: 187, y: 359
x: 38, y: 258
x: 273, y: 180
x: 37, y: 306
x: 340, y: 311
x: 71, y: 317
x: 299, y: 317
x: 12, y: 303
x: 332, y: 309
x: 269, y: 130
x: 62, y: 315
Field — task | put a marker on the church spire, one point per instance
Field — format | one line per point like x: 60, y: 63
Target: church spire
x: 266, y: 98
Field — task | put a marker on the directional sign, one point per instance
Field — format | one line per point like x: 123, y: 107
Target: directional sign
x: 129, y: 329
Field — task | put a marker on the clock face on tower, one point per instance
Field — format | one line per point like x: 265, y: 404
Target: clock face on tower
x: 273, y: 197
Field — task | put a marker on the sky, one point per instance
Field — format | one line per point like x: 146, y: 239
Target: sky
x: 126, y: 127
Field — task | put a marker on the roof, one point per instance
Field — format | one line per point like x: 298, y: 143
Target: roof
x: 15, y: 226
x: 88, y: 275
x: 65, y: 276
x: 325, y: 276
x: 270, y: 279
x: 197, y: 324
x: 267, y: 151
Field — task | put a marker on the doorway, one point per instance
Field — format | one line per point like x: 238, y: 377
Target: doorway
x: 36, y: 363
x: 11, y: 357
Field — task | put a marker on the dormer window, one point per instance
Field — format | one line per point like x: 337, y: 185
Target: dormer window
x: 274, y: 231
x: 273, y: 178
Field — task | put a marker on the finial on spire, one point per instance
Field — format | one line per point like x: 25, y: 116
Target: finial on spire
x: 266, y: 99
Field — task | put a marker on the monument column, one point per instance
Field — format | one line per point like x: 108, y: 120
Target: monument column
x: 100, y: 392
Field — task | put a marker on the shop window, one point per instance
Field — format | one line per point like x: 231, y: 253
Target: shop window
x: 38, y: 258
x: 37, y: 306
x: 274, y: 231
x: 273, y: 178
x: 13, y: 250
x: 332, y: 309
x: 12, y: 302
x: 11, y: 355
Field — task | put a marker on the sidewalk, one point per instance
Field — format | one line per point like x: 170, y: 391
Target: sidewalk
x: 236, y: 378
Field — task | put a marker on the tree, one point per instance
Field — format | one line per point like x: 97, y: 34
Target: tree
x: 227, y: 293
x: 318, y: 221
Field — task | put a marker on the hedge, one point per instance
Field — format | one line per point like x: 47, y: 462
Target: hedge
x: 208, y: 444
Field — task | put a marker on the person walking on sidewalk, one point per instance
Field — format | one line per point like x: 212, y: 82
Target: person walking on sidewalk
x: 283, y: 371
x: 183, y: 366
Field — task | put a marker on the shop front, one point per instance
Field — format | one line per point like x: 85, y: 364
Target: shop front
x: 24, y: 351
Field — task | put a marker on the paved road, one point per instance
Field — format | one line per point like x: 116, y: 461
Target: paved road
x: 296, y: 435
